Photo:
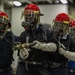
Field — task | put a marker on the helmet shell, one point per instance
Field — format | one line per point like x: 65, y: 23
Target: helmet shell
x: 72, y: 23
x: 3, y: 14
x: 62, y: 17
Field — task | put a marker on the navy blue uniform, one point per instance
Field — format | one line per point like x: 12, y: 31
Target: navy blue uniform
x: 38, y: 56
x: 71, y: 64
x: 6, y: 53
x: 59, y: 60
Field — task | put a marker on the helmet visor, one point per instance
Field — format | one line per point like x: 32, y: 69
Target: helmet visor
x: 3, y: 20
x: 31, y: 18
x: 60, y: 26
x: 29, y: 14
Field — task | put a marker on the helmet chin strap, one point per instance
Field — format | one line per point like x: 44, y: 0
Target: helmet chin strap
x: 1, y: 37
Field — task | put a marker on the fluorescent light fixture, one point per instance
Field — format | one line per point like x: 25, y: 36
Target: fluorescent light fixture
x: 17, y: 3
x: 64, y: 1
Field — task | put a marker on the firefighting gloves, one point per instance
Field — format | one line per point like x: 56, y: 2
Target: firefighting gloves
x: 69, y: 55
x: 61, y: 51
x: 50, y: 47
x: 24, y: 53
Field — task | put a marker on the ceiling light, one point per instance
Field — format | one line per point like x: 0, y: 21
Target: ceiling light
x: 64, y: 1
x: 17, y: 3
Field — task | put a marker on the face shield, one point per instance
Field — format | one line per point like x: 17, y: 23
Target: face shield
x: 31, y: 19
x: 61, y: 27
x: 3, y: 25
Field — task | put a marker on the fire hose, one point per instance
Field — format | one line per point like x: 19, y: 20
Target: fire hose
x: 18, y: 45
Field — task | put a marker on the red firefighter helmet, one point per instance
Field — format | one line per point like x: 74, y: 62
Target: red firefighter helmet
x: 72, y: 27
x: 4, y: 23
x: 72, y: 23
x: 3, y: 14
x: 32, y: 16
x: 61, y: 23
x: 6, y: 18
x: 32, y: 7
x: 62, y: 17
